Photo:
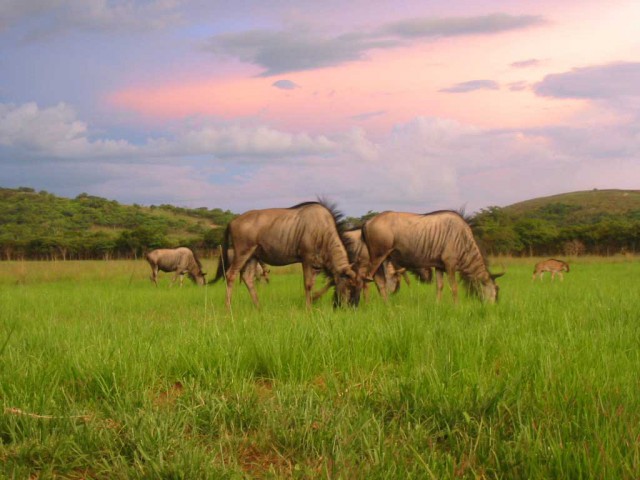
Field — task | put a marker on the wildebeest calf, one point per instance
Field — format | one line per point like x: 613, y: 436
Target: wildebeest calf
x: 552, y: 265
x: 180, y: 260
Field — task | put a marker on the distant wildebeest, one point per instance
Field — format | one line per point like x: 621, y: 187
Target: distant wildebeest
x: 254, y: 267
x: 180, y: 260
x: 307, y: 233
x: 552, y: 265
x: 442, y: 240
x: 359, y: 258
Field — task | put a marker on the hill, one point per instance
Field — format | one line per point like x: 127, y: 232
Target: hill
x: 581, y: 207
x: 41, y: 225
x: 594, y: 221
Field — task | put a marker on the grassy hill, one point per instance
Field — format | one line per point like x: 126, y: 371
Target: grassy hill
x: 43, y: 225
x: 596, y: 221
x: 588, y: 206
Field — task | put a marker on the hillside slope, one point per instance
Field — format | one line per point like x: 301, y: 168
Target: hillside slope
x: 581, y: 207
x: 43, y: 225
x: 596, y: 221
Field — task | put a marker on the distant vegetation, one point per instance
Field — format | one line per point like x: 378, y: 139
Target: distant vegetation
x: 40, y: 225
x: 601, y: 222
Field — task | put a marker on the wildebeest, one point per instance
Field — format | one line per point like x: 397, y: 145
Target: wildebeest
x: 180, y: 260
x: 308, y: 233
x: 442, y: 240
x: 552, y: 265
x: 359, y: 258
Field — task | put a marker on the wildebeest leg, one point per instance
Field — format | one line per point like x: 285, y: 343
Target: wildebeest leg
x: 553, y: 275
x: 380, y: 280
x: 154, y: 274
x: 439, y: 284
x: 248, y: 276
x: 237, y: 265
x: 451, y: 273
x: 561, y: 276
x: 309, y: 274
x: 375, y: 261
x: 365, y: 292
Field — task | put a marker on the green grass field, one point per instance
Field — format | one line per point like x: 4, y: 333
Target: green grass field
x: 102, y: 375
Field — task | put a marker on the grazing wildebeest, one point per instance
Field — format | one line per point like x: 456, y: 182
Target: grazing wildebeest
x: 442, y: 240
x: 180, y: 260
x: 359, y: 257
x: 552, y: 265
x: 308, y: 233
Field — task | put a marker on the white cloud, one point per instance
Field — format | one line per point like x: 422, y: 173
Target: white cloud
x: 53, y: 132
x: 260, y: 141
x: 34, y: 133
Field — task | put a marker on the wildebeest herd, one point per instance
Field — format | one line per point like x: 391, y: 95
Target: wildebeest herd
x: 383, y: 250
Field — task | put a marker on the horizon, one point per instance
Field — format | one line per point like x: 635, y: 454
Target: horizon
x: 422, y: 107
x: 38, y: 191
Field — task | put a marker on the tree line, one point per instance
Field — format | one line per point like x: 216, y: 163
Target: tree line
x: 42, y: 226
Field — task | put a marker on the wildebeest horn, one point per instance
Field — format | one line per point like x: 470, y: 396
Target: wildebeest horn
x: 496, y: 275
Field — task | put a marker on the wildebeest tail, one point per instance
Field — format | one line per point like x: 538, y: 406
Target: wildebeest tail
x: 223, y: 263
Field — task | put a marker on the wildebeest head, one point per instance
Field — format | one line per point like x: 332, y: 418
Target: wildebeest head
x: 348, y: 287
x: 486, y: 290
x: 198, y: 276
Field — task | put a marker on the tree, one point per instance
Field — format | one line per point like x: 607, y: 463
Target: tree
x: 536, y: 235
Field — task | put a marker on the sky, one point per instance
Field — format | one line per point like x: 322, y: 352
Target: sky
x: 375, y: 105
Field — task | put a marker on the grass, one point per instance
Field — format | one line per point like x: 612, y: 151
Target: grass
x: 103, y: 375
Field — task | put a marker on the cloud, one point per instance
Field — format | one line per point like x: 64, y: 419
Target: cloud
x: 456, y: 26
x: 471, y: 86
x: 297, y: 50
x: 611, y: 81
x: 425, y: 164
x: 367, y: 115
x: 54, y: 132
x: 301, y: 49
x: 532, y: 62
x: 47, y: 18
x: 261, y: 141
x: 518, y: 86
x: 285, y: 85
x: 34, y: 133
